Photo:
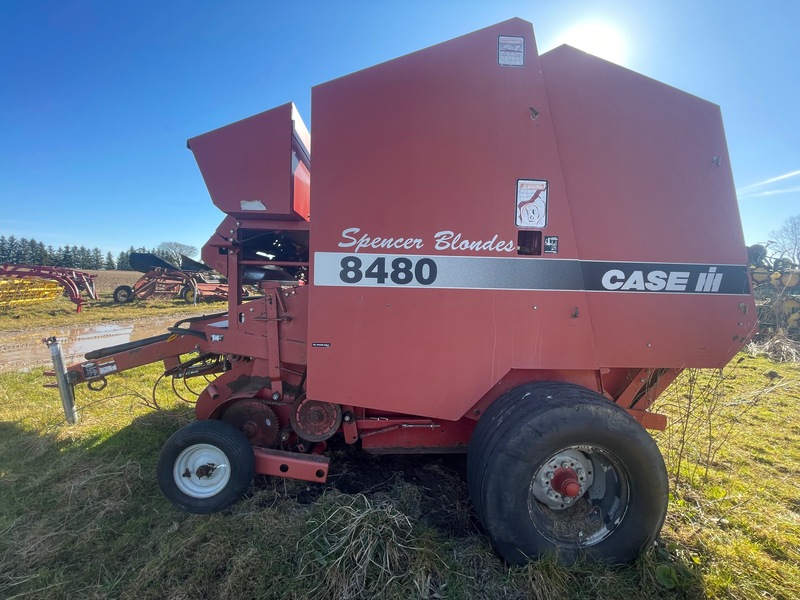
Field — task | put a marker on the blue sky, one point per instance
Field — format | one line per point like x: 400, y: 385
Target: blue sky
x: 98, y: 98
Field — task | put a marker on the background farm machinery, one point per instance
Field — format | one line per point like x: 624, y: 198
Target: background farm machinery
x: 776, y: 285
x: 28, y: 284
x: 480, y: 275
x: 192, y: 281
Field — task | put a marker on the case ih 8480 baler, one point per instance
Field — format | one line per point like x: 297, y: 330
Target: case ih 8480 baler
x: 503, y: 253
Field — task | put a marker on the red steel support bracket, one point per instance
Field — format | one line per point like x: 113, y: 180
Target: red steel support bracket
x: 272, y: 300
x: 649, y: 420
x: 305, y: 467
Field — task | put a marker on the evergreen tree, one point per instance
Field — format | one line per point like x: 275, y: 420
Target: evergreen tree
x: 24, y: 253
x: 29, y: 251
x: 122, y: 261
x: 65, y: 258
x: 13, y: 249
x: 38, y: 253
x: 97, y: 258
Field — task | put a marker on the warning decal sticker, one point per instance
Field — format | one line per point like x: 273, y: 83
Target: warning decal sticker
x: 531, y: 203
x: 511, y: 51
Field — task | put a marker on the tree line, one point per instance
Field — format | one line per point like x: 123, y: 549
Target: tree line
x: 25, y: 251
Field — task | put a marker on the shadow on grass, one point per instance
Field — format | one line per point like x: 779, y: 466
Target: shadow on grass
x: 84, y: 513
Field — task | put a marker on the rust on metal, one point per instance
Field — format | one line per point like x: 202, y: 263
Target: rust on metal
x: 256, y: 420
x: 313, y: 420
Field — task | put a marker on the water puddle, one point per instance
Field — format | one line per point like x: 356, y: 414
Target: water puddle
x: 24, y: 350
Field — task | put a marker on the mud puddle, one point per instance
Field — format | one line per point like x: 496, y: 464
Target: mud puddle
x: 24, y: 350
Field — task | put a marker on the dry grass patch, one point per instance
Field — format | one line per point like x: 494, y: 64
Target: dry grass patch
x: 82, y: 517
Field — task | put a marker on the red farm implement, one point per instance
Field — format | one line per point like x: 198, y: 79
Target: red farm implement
x: 27, y: 284
x: 191, y: 282
x: 510, y: 255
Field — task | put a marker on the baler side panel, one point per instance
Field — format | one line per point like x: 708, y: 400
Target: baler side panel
x: 428, y: 143
x: 647, y: 171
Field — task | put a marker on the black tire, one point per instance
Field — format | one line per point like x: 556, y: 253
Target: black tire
x: 188, y: 295
x: 190, y: 468
x: 537, y: 429
x: 123, y: 294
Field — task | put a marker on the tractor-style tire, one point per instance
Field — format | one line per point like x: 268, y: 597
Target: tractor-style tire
x: 189, y: 295
x: 556, y: 469
x: 123, y: 294
x: 205, y: 466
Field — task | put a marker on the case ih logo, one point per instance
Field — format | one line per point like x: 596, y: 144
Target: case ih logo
x: 664, y: 278
x: 662, y: 281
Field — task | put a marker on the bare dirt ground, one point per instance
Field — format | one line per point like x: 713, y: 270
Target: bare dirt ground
x: 107, y: 281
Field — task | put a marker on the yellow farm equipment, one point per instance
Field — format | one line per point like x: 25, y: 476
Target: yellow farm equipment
x: 28, y: 284
x: 22, y: 292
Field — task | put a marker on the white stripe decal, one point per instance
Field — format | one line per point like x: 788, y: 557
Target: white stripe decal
x: 524, y: 273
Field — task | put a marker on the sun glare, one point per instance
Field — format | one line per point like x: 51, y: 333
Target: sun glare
x: 599, y: 38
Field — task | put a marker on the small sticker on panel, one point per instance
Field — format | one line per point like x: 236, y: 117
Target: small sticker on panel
x: 252, y: 205
x: 531, y: 203
x: 511, y: 51
x: 551, y: 244
x: 320, y: 344
x: 107, y: 367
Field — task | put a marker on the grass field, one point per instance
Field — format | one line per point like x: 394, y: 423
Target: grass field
x: 62, y: 311
x: 81, y: 515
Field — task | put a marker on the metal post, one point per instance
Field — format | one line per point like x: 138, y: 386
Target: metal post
x: 65, y: 388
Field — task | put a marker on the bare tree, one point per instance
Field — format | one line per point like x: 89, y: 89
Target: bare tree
x: 786, y: 240
x: 173, y: 251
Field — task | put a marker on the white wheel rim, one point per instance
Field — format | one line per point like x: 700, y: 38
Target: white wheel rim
x: 201, y: 471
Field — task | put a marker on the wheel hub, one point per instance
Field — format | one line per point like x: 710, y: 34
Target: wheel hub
x: 565, y: 482
x: 563, y: 479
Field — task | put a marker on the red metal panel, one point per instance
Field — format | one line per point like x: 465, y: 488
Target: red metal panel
x: 435, y: 142
x: 648, y: 179
x: 443, y: 436
x: 301, y: 191
x: 639, y: 164
x: 249, y: 167
x: 669, y: 331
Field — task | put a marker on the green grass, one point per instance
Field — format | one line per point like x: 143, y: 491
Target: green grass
x: 735, y: 461
x: 62, y: 311
x: 81, y: 515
